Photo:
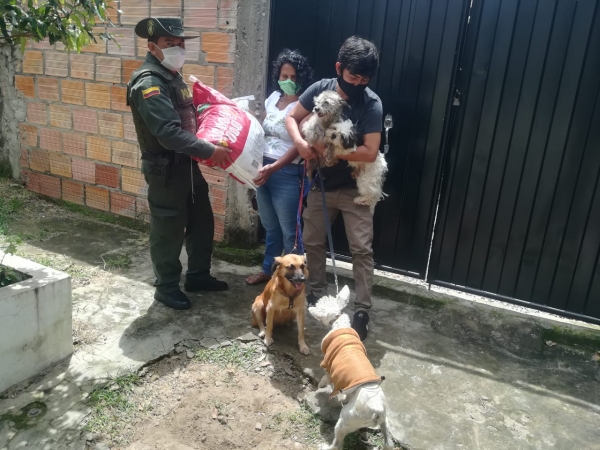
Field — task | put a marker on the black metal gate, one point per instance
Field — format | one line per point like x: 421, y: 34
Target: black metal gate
x: 520, y: 208
x: 512, y: 89
x: 418, y: 40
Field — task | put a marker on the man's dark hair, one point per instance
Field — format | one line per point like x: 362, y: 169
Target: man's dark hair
x: 304, y: 73
x: 359, y: 56
x: 153, y: 39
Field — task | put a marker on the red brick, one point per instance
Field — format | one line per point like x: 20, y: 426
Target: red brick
x: 60, y: 116
x: 125, y: 154
x: 49, y: 186
x: 36, y: 113
x: 126, y: 39
x: 219, y: 47
x: 122, y: 204
x: 112, y: 11
x: 107, y: 176
x: 133, y: 181
x: 26, y: 85
x: 72, y: 192
x: 192, y: 47
x: 32, y: 180
x: 85, y: 120
x: 60, y: 165
x: 128, y: 128
x: 73, y: 143
x: 82, y: 66
x: 134, y: 11
x: 40, y: 161
x: 142, y: 47
x: 57, y: 64
x: 219, y: 229
x: 214, y: 176
x: 48, y: 89
x: 99, y: 46
x: 165, y: 8
x: 228, y: 14
x: 129, y: 66
x: 33, y: 62
x: 98, y: 148
x: 24, y: 160
x: 218, y: 197
x: 84, y: 170
x: 28, y: 135
x: 97, y: 95
x: 108, y: 69
x: 206, y: 74
x: 43, y: 45
x: 73, y: 92
x: 225, y: 81
x: 110, y: 124
x: 200, y: 13
x: 142, y: 210
x: 118, y: 98
x: 96, y: 197
x: 50, y: 139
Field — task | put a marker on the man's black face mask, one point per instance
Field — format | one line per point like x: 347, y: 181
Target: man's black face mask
x: 351, y: 90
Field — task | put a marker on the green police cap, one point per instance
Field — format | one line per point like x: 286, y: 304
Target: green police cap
x: 157, y: 27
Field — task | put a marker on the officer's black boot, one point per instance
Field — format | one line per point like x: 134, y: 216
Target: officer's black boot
x: 175, y: 299
x: 206, y: 283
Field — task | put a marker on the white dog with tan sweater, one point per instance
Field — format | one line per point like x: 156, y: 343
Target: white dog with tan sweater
x: 351, y: 374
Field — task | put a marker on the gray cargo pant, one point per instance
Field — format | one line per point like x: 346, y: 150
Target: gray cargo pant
x: 358, y: 221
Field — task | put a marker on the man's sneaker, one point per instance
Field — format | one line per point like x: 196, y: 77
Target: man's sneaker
x: 360, y: 323
x: 175, y: 300
x: 207, y: 283
x: 312, y: 299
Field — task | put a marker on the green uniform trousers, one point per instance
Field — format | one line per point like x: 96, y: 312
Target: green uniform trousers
x: 178, y: 214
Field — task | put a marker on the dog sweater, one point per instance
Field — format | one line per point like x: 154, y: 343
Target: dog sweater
x: 346, y: 360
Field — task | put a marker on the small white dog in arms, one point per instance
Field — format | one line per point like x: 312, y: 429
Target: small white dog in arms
x: 346, y: 364
x: 327, y: 126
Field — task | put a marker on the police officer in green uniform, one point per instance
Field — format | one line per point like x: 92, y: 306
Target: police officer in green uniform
x: 165, y: 122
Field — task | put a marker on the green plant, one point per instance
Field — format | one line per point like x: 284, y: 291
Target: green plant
x: 71, y: 22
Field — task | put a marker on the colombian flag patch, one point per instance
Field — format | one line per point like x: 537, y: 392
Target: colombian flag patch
x: 154, y: 90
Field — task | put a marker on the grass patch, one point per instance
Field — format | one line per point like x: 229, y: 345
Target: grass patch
x: 232, y: 356
x: 582, y: 340
x: 9, y: 210
x: 242, y: 257
x: 28, y: 417
x: 110, y: 404
x: 116, y: 261
x: 133, y: 224
x: 54, y: 262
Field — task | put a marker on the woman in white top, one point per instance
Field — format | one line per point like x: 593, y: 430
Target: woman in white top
x: 279, y: 180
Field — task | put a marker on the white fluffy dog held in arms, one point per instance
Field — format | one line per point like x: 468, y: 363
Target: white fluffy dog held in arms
x: 350, y: 372
x: 327, y: 126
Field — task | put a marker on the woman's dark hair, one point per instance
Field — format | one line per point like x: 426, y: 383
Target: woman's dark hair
x: 359, y: 56
x: 304, y: 73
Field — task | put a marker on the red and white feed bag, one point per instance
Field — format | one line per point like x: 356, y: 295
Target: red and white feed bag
x: 229, y: 123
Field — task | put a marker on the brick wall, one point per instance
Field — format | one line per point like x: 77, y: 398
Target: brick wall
x: 78, y: 142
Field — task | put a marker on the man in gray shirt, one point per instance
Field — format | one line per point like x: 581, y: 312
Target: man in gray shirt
x: 357, y: 63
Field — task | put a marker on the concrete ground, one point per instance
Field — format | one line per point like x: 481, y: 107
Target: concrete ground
x: 459, y: 375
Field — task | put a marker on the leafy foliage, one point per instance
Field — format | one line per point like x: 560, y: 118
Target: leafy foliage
x: 71, y: 22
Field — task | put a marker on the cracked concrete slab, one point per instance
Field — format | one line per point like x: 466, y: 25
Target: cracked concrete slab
x: 456, y: 377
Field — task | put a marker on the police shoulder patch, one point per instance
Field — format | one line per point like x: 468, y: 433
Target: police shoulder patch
x: 154, y: 90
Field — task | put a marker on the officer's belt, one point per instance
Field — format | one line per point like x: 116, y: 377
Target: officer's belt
x: 165, y: 158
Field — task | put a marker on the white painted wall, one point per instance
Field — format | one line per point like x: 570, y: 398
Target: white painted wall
x: 35, y: 321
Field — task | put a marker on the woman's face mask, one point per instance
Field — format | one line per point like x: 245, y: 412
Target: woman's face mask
x: 288, y: 87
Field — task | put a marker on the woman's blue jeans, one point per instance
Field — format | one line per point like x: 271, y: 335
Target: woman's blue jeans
x: 278, y: 207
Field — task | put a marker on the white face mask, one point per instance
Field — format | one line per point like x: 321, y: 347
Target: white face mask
x: 174, y: 57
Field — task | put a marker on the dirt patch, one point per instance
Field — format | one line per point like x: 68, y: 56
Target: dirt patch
x: 233, y: 397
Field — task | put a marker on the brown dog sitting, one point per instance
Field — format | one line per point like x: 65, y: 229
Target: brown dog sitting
x: 283, y: 300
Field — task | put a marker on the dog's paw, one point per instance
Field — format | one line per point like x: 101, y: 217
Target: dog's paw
x: 304, y: 350
x: 269, y: 341
x: 361, y: 201
x: 261, y: 334
x: 326, y: 447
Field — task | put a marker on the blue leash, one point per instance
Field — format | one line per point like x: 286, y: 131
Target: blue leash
x: 299, y: 246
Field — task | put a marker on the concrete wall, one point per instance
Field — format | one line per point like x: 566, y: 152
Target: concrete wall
x: 36, y: 321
